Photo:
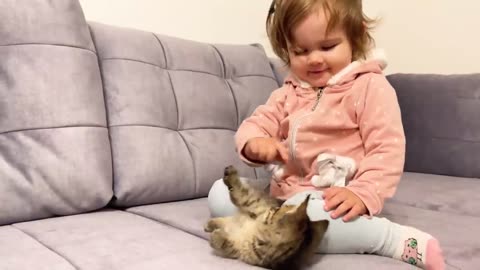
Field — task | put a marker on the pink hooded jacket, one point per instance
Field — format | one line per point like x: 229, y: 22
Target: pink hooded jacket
x: 356, y: 115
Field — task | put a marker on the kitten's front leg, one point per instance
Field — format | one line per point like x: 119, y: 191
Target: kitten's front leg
x: 247, y: 199
x: 221, y: 243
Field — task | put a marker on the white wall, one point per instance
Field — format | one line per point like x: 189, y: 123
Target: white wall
x: 423, y: 36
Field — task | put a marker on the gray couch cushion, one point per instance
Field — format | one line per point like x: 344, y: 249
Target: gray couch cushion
x: 173, y: 107
x: 440, y: 193
x: 189, y: 215
x: 441, y: 119
x: 16, y: 246
x: 54, y: 150
x: 119, y: 240
x: 456, y: 233
x: 29, y: 22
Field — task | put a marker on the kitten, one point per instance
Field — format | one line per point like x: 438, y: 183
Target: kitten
x: 264, y: 233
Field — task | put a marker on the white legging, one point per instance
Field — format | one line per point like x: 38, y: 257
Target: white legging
x: 362, y: 235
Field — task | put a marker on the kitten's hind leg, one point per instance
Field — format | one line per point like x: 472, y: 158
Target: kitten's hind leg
x: 222, y: 244
x: 246, y: 198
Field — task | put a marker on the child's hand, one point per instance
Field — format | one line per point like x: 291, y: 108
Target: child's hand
x: 345, y: 203
x: 265, y: 150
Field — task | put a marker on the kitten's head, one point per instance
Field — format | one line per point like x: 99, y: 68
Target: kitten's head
x: 292, y: 237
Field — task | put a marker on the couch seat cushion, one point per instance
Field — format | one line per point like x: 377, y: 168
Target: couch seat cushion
x: 15, y: 245
x: 440, y: 193
x: 459, y: 247
x: 117, y: 240
x: 458, y: 234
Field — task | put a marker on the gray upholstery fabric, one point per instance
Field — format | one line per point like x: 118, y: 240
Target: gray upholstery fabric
x: 19, y: 251
x: 54, y: 150
x: 441, y: 120
x: 455, y: 232
x: 440, y: 193
x: 40, y: 22
x: 173, y: 107
x: 119, y: 240
x: 189, y: 215
x: 279, y: 69
x: 458, y: 234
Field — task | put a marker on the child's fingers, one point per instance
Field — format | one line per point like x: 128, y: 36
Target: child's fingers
x: 353, y: 213
x: 343, y: 208
x: 330, y: 192
x: 336, y: 200
x: 282, y: 152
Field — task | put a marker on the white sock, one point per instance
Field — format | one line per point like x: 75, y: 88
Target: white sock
x: 418, y: 248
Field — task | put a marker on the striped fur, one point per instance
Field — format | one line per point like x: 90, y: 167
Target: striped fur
x: 264, y: 232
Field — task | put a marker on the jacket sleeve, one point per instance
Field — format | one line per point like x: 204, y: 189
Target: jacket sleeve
x: 264, y: 122
x: 381, y: 129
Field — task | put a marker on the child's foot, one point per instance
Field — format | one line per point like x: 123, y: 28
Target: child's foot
x: 420, y: 249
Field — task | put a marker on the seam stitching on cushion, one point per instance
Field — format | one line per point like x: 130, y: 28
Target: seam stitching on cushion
x: 47, y: 247
x: 169, y: 79
x: 224, y: 67
x: 195, y: 180
x: 46, y: 44
x: 229, y: 86
x: 107, y: 117
x: 176, y: 130
x: 162, y: 222
x: 45, y: 128
x: 163, y: 49
x: 185, y: 70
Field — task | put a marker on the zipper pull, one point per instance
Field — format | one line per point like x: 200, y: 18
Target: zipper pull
x: 319, y: 95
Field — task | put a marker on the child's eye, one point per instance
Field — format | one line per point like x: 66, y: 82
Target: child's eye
x: 299, y: 52
x: 329, y: 47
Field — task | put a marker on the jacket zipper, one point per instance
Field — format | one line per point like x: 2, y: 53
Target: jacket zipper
x: 319, y: 95
x: 293, y: 133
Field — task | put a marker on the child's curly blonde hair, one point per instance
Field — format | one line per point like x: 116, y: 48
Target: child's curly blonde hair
x: 285, y: 15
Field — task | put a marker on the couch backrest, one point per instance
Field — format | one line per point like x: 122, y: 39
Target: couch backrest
x: 441, y: 117
x: 173, y: 107
x: 54, y: 148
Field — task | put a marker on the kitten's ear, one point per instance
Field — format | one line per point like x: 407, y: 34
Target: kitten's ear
x: 301, y: 210
x: 298, y: 213
x: 319, y: 227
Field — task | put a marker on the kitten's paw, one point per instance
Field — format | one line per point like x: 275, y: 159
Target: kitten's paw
x: 210, y: 226
x: 230, y: 177
x: 219, y: 241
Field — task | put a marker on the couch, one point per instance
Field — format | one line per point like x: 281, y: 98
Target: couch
x: 110, y: 139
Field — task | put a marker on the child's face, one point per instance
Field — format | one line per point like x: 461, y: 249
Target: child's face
x: 315, y: 57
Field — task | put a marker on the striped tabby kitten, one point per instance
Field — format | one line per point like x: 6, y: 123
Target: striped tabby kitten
x: 263, y: 233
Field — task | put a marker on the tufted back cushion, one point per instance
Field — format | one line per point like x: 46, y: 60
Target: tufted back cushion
x: 54, y: 148
x: 173, y: 107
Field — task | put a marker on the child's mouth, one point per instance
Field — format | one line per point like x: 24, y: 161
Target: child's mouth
x: 316, y: 72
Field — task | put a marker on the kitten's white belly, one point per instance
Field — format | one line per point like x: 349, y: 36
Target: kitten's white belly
x: 243, y: 233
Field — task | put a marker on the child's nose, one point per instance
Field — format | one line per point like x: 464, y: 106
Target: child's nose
x: 315, y: 58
